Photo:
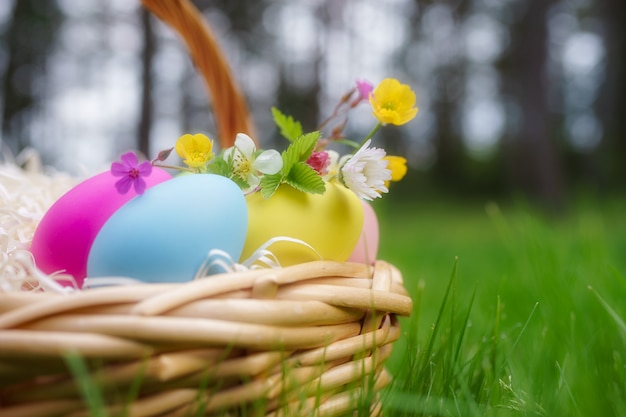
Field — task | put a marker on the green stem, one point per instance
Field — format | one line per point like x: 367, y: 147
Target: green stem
x: 370, y: 135
x: 174, y: 167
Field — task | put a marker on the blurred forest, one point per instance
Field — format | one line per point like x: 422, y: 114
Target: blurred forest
x: 515, y: 96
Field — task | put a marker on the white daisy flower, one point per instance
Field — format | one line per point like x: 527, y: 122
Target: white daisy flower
x: 247, y: 165
x: 365, y: 172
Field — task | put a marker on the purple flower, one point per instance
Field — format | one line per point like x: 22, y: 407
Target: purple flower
x: 131, y: 172
x: 364, y: 88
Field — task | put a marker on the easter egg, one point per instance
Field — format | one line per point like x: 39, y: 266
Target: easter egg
x: 64, y: 236
x: 330, y: 223
x: 366, y: 249
x: 166, y: 234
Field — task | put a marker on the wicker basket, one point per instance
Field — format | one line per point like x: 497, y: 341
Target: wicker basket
x: 300, y: 340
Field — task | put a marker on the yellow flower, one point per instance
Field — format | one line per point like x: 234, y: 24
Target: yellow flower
x: 393, y: 102
x: 196, y: 150
x: 397, y: 166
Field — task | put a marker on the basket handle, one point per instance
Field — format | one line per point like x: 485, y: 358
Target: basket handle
x: 229, y: 106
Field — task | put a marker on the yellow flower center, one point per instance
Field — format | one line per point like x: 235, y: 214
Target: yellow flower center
x: 197, y: 156
x: 242, y: 166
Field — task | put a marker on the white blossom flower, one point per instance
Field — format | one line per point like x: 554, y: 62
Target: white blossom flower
x: 247, y: 164
x: 365, y: 172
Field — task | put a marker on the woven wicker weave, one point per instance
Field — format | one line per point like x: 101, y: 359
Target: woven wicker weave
x: 305, y: 337
x: 309, y: 339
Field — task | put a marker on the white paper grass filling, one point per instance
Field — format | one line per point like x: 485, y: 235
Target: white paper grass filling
x: 26, y: 193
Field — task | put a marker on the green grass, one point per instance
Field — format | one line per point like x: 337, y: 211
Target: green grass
x: 516, y: 314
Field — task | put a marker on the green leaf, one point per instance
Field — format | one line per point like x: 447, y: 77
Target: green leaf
x: 270, y: 183
x: 304, y: 178
x: 295, y: 171
x: 243, y: 184
x: 288, y: 127
x: 299, y: 150
x: 220, y: 167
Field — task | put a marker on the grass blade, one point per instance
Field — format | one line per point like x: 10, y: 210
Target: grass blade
x: 618, y: 320
x: 88, y: 387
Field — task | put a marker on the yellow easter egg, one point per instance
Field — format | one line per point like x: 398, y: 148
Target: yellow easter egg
x: 330, y: 223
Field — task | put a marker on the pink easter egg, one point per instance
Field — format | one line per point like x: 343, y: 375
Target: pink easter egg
x: 63, y: 238
x: 366, y: 249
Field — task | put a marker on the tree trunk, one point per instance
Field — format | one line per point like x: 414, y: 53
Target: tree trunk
x: 147, y: 57
x: 534, y: 160
x: 612, y: 97
x: 28, y: 40
x: 451, y: 166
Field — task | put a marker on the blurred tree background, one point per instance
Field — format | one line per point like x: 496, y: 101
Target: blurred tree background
x: 515, y: 96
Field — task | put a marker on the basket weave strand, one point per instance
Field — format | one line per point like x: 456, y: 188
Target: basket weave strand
x: 186, y: 362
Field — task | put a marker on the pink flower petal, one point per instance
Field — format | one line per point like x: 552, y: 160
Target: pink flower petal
x: 118, y: 170
x: 140, y: 185
x: 145, y: 168
x: 365, y: 88
x: 130, y: 159
x: 319, y: 161
x: 123, y: 184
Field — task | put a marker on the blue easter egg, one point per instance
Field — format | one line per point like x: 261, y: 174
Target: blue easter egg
x: 166, y: 234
